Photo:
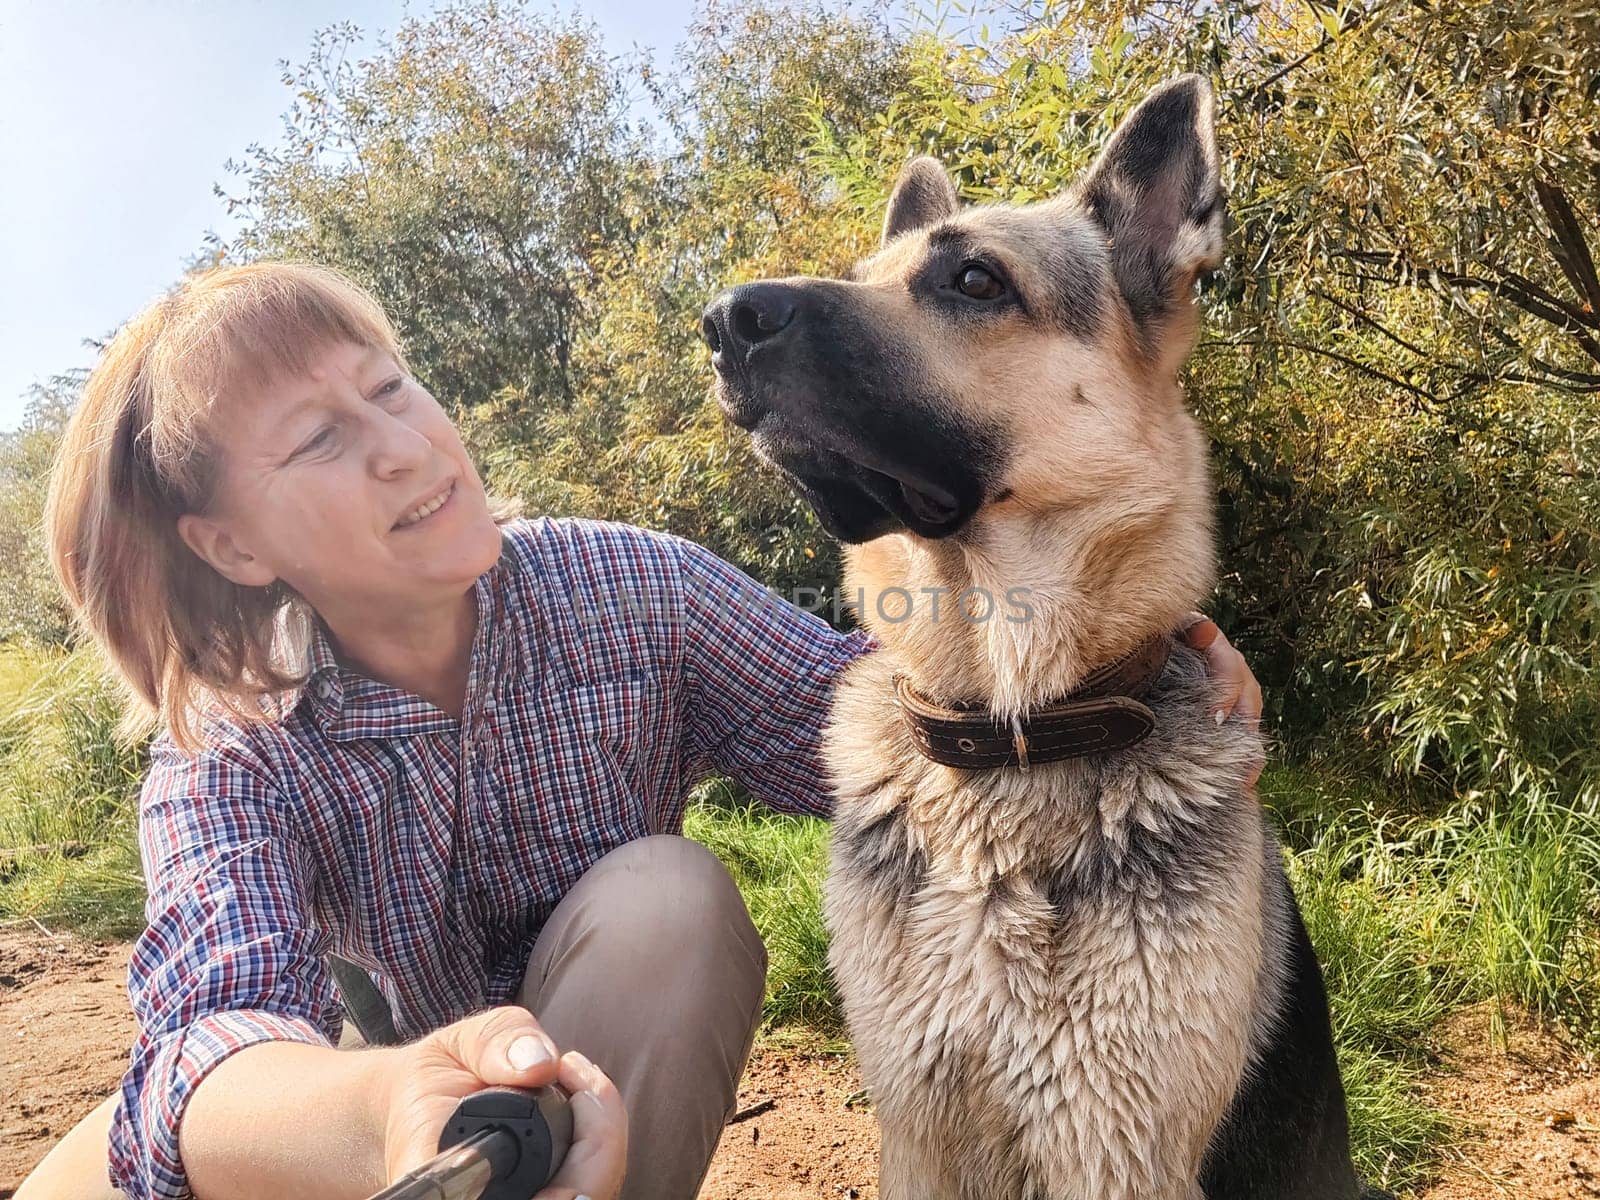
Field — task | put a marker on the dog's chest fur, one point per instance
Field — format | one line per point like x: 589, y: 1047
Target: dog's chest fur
x: 1047, y: 967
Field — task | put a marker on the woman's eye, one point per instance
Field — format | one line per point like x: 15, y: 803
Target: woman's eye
x: 979, y: 283
x: 391, y: 388
x: 321, y: 440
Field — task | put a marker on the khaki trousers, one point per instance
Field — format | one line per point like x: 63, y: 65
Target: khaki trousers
x: 651, y: 967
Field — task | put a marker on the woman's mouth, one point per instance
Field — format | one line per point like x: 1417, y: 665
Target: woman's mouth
x: 427, y: 508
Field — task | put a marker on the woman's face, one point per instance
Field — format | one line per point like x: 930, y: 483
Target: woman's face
x: 351, y: 486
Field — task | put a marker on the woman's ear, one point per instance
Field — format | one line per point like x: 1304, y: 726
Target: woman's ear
x: 218, y: 548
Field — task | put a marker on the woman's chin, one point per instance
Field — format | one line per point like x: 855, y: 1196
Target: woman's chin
x: 479, y: 544
x: 453, y: 546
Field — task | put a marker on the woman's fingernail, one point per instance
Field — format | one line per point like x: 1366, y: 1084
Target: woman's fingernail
x: 590, y: 1072
x: 1220, y: 716
x: 527, y: 1051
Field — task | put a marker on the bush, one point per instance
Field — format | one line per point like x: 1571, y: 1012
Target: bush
x: 31, y: 606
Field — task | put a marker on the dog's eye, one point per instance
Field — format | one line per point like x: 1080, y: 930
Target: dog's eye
x: 979, y: 283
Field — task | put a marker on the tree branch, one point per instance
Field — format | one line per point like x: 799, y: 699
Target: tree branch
x: 1570, y: 248
x: 1513, y: 288
x: 1354, y: 363
x: 1373, y: 322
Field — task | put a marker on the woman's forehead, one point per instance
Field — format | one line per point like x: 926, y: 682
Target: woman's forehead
x: 272, y: 393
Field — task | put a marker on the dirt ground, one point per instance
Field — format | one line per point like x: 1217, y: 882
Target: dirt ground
x: 1534, y: 1109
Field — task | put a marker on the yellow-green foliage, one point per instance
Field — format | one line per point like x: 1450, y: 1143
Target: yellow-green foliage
x: 1400, y: 358
x: 31, y: 607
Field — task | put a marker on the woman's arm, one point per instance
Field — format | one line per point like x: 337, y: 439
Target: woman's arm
x: 230, y: 956
x: 759, y: 676
x: 234, y: 1089
x: 280, y: 1119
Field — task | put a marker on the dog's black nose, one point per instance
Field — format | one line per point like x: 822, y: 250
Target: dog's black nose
x: 742, y: 318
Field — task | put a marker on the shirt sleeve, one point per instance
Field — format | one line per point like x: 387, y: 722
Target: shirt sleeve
x: 230, y: 956
x: 759, y: 677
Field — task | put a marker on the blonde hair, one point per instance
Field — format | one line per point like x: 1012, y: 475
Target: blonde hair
x: 138, y: 453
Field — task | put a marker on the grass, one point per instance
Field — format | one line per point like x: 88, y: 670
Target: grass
x: 778, y: 862
x: 1415, y: 913
x: 67, y: 847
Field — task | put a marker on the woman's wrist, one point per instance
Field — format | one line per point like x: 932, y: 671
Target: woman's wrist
x: 380, y: 1071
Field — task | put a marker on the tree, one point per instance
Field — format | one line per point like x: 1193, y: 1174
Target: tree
x: 468, y: 172
x: 734, y: 196
x: 31, y: 606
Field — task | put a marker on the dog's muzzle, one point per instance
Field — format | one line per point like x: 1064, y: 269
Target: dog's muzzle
x: 831, y: 403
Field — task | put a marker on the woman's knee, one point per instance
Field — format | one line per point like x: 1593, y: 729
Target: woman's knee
x: 671, y: 885
x: 665, y: 905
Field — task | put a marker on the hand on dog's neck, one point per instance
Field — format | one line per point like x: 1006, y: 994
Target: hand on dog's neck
x: 1093, y: 589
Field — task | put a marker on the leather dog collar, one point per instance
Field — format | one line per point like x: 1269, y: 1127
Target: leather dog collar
x: 1105, y: 712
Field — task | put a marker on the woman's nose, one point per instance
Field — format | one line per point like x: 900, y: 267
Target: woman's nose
x: 397, y: 447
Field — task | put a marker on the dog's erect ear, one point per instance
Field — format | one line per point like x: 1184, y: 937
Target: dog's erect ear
x: 1155, y: 189
x: 922, y: 195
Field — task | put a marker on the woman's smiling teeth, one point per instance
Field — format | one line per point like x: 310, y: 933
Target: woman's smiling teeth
x: 427, y: 509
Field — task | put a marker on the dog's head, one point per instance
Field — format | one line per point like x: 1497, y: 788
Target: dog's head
x: 993, y: 358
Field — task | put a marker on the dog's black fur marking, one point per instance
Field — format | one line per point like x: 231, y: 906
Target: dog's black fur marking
x: 1286, y: 1135
x: 896, y: 871
x: 846, y: 418
x: 1075, y: 285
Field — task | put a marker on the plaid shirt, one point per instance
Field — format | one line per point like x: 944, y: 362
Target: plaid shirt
x: 612, y: 668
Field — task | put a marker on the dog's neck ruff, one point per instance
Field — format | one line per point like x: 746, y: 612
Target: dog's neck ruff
x: 1106, y: 712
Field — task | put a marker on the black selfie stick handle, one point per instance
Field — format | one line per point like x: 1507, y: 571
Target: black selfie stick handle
x: 499, y: 1144
x: 539, y: 1123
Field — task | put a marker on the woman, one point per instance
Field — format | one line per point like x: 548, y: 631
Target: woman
x: 449, y: 747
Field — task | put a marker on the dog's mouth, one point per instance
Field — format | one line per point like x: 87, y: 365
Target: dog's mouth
x: 856, y: 503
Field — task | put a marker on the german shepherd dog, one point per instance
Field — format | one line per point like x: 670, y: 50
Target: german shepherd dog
x: 1070, y: 959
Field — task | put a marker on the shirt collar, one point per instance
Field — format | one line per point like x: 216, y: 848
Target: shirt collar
x: 349, y: 705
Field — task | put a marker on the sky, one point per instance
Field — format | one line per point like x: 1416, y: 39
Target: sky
x: 117, y: 117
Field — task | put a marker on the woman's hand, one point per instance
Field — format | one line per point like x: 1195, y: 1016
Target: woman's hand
x: 1238, y: 692
x: 504, y: 1047
x: 593, y: 1168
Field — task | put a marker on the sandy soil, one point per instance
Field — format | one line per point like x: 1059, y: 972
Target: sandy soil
x: 1533, y: 1110
x: 65, y: 1029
